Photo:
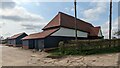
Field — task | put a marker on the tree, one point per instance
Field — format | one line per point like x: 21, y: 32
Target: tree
x: 1, y: 38
x: 117, y: 33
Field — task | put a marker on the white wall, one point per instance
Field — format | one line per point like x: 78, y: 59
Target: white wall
x: 100, y: 33
x: 69, y: 33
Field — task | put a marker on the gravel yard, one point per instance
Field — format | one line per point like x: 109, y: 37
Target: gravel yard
x: 14, y: 56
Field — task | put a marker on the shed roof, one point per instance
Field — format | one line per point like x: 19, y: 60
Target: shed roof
x: 65, y: 20
x: 16, y: 35
x: 40, y: 34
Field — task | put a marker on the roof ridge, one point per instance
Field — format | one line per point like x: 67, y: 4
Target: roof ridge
x: 16, y: 35
x: 77, y: 18
x: 64, y: 20
x: 51, y: 20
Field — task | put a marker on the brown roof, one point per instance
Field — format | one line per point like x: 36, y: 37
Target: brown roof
x: 64, y: 20
x: 94, y: 31
x: 40, y: 34
x: 15, y: 36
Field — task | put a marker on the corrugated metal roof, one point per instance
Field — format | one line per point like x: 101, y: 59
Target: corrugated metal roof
x: 15, y: 36
x: 40, y: 34
x: 64, y: 20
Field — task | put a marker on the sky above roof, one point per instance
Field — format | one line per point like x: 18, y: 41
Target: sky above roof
x: 31, y: 17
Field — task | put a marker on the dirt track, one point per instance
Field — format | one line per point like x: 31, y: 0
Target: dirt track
x: 13, y: 56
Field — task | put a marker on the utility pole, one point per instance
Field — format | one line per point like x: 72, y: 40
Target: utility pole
x: 110, y: 23
x: 75, y: 20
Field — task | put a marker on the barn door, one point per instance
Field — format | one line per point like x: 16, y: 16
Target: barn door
x: 36, y: 45
x: 41, y: 44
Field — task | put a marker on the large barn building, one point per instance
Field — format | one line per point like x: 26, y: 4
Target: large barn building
x: 16, y: 40
x: 61, y: 27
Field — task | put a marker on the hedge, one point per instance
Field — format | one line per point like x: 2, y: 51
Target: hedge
x: 89, y: 46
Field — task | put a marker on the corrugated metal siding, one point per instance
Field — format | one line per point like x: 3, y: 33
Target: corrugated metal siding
x: 9, y: 42
x: 18, y: 40
x: 53, y: 41
x: 29, y: 43
x: 39, y: 44
x: 34, y: 44
x: 49, y: 42
x: 13, y: 42
x: 25, y: 43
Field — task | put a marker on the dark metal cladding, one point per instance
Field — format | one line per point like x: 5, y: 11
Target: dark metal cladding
x: 16, y: 39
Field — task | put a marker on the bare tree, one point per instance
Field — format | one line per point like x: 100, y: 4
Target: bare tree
x: 117, y: 33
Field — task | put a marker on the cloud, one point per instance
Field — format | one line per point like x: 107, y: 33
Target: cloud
x: 119, y: 23
x: 32, y: 27
x: 12, y: 11
x: 67, y: 9
x: 37, y: 3
x: 19, y: 14
x: 7, y: 5
x: 18, y: 19
x: 70, y: 9
x: 93, y: 14
x: 14, y: 18
x: 115, y: 27
x: 119, y: 8
x: 2, y: 24
x: 6, y: 34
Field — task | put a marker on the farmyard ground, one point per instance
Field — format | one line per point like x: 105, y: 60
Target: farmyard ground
x: 13, y: 56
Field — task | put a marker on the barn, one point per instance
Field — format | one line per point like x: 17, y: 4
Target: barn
x: 15, y: 40
x: 61, y: 28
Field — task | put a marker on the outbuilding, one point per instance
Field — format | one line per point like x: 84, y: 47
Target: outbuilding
x: 16, y: 40
x: 61, y: 28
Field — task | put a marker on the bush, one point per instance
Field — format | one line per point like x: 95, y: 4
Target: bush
x: 88, y: 47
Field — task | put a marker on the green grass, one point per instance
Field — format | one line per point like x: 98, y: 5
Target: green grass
x: 72, y: 51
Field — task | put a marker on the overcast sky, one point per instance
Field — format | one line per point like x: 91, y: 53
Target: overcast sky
x: 30, y: 17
